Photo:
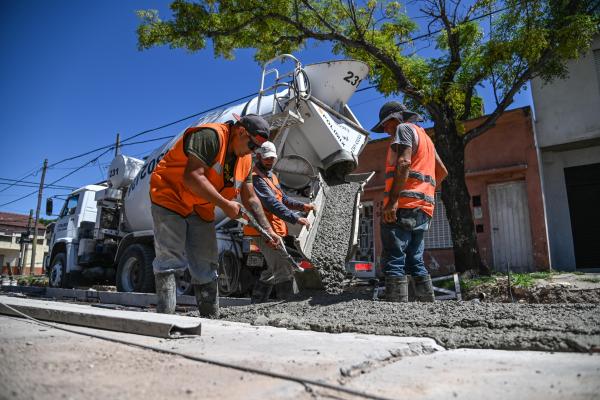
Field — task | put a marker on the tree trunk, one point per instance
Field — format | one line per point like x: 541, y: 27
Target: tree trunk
x: 457, y: 200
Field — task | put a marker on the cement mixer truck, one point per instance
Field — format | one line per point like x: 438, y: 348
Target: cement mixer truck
x: 104, y: 231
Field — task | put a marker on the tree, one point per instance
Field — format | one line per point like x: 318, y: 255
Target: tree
x: 525, y: 39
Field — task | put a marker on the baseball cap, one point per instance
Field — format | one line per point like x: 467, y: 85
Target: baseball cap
x: 267, y: 150
x: 394, y: 109
x: 256, y: 125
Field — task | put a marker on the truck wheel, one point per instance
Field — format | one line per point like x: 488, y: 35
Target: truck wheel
x: 134, y: 273
x: 229, y: 273
x: 58, y: 271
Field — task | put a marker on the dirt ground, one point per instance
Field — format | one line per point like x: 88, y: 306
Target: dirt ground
x: 546, y: 288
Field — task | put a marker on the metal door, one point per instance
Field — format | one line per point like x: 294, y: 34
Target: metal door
x: 511, y: 231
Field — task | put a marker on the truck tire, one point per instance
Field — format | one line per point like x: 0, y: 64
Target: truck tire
x: 58, y: 277
x: 134, y: 273
x: 229, y: 273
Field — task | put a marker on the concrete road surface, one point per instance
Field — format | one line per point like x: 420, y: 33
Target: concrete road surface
x: 39, y: 362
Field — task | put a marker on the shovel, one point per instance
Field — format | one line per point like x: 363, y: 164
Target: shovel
x: 254, y: 223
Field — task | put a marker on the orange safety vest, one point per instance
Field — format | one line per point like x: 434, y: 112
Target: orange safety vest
x: 419, y: 189
x: 166, y: 183
x: 278, y: 225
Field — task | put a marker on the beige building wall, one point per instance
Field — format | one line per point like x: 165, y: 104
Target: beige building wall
x: 10, y: 253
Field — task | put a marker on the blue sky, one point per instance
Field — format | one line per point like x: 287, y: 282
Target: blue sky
x: 71, y: 77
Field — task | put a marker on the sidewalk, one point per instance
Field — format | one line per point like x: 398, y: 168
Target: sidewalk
x: 45, y: 363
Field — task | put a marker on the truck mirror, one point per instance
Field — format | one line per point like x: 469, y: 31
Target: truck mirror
x: 49, y: 206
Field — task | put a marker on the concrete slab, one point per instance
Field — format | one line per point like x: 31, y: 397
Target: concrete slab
x: 108, y: 297
x: 487, y: 374
x: 83, y: 315
x: 312, y: 355
x: 44, y: 363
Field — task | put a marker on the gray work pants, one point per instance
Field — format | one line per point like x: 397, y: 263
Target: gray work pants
x: 279, y: 268
x: 185, y: 242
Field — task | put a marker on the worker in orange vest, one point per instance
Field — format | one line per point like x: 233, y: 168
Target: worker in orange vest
x: 279, y: 210
x: 209, y: 165
x: 413, y: 170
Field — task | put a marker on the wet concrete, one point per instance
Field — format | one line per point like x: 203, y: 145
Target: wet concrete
x: 333, y: 237
x: 546, y: 327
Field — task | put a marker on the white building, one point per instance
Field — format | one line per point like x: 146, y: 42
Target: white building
x: 11, y: 252
x: 567, y: 126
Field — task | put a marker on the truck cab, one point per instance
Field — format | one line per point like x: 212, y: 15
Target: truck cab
x: 79, y: 209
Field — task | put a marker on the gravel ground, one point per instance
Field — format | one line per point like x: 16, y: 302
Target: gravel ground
x: 545, y: 327
x: 333, y: 238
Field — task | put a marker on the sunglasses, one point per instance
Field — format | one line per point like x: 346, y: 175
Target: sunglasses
x: 252, y: 145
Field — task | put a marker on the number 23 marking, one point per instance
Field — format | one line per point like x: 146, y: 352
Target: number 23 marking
x: 352, y: 79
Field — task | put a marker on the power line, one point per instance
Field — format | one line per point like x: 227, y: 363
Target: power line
x: 35, y: 171
x: 190, y: 116
x: 57, y: 180
x: 23, y: 183
x: 110, y: 146
x: 423, y: 36
x: 32, y: 186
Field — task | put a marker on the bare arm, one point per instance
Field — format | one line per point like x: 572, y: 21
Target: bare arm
x: 252, y: 203
x: 403, y: 163
x: 194, y: 178
x: 401, y: 174
x: 440, y: 171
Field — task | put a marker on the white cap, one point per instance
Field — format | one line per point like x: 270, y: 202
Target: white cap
x: 267, y: 150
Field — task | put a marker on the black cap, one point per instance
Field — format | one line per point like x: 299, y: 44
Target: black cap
x: 394, y: 109
x: 254, y: 124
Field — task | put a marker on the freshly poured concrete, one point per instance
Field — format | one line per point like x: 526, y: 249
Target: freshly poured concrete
x: 333, y: 237
x: 546, y: 327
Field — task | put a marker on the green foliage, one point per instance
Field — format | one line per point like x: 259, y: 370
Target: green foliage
x: 47, y: 221
x: 521, y: 280
x: 522, y: 39
x: 528, y: 38
x: 32, y: 280
x: 591, y: 280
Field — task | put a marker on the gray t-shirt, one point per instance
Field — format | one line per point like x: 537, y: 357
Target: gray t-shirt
x: 406, y: 136
x: 205, y: 145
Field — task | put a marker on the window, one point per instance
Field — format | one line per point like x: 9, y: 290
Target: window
x: 6, y: 238
x: 366, y: 249
x: 70, y: 206
x: 438, y: 236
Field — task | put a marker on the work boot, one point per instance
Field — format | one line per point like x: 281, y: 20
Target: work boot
x: 207, y: 298
x: 261, y: 292
x: 285, y: 290
x: 166, y: 292
x: 396, y: 289
x: 424, y: 289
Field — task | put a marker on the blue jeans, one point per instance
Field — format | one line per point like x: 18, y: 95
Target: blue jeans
x: 403, y: 243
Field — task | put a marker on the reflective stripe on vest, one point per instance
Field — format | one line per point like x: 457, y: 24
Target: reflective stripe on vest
x: 415, y: 195
x: 415, y: 175
x: 419, y: 189
x: 278, y: 225
x: 166, y: 184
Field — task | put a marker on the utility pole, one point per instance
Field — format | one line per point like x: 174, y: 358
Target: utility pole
x: 24, y: 242
x: 118, y: 145
x: 37, y: 217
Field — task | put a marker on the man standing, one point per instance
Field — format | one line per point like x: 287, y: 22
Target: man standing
x: 413, y: 170
x: 278, y: 209
x: 210, y: 165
